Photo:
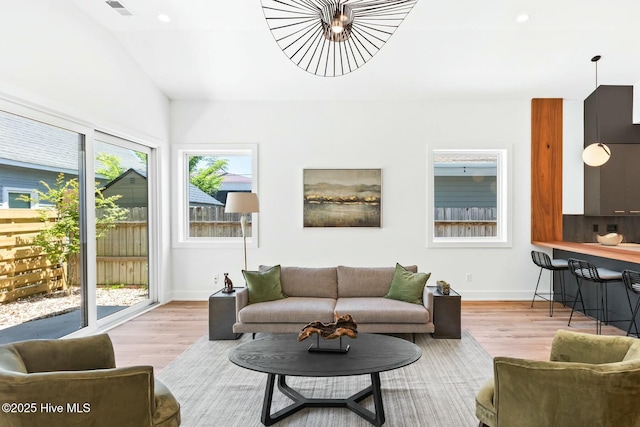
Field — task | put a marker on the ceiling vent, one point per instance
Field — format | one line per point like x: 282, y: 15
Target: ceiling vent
x: 119, y: 7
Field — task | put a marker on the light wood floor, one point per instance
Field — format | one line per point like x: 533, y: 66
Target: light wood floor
x: 502, y: 328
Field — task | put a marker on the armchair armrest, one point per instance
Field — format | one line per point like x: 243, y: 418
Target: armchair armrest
x: 569, y: 346
x: 74, y: 354
x: 104, y: 397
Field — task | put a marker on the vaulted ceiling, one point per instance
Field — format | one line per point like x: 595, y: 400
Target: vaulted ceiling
x: 465, y: 49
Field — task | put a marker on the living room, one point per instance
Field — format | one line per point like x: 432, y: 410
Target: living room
x: 59, y: 63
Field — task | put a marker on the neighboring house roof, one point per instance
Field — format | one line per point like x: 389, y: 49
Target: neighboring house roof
x: 233, y: 182
x: 195, y: 194
x: 198, y: 196
x: 124, y: 175
x: 31, y: 144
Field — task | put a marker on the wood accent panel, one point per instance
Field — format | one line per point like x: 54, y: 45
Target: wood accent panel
x: 546, y: 169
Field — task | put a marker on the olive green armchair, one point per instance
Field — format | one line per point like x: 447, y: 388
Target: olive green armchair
x: 590, y: 380
x: 74, y: 382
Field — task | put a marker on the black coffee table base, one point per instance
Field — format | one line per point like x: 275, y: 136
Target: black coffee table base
x: 300, y: 402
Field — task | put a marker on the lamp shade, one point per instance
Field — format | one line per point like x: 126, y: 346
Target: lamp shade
x: 241, y: 203
x: 596, y: 154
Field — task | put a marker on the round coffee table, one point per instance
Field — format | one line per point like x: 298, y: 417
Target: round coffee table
x: 282, y: 355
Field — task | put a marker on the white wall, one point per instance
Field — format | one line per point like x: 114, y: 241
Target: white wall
x: 392, y: 136
x: 54, y: 59
x: 572, y: 165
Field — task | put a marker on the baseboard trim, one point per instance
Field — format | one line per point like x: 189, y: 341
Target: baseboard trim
x: 466, y: 295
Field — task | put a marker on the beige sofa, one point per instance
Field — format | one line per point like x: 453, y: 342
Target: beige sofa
x: 316, y: 293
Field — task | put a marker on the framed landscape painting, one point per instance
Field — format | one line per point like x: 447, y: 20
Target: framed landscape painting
x: 342, y: 197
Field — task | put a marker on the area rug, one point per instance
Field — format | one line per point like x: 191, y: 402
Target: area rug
x: 437, y: 390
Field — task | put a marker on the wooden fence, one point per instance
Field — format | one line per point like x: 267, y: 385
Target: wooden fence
x: 122, y: 254
x: 24, y: 269
x: 465, y: 222
x: 205, y: 221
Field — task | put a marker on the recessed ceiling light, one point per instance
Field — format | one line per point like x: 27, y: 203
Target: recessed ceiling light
x: 163, y: 18
x: 523, y: 17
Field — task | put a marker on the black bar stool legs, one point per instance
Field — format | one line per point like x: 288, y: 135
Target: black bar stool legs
x: 543, y: 261
x: 631, y: 281
x: 600, y: 277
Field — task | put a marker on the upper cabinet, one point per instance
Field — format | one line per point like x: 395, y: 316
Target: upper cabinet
x: 611, y: 109
x: 613, y: 188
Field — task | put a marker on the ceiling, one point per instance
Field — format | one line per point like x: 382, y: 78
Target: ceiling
x: 454, y: 49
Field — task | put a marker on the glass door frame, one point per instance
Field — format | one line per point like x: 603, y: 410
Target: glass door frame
x: 87, y: 218
x: 152, y: 224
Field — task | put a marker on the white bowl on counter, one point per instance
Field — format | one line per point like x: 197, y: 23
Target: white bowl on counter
x: 611, y: 239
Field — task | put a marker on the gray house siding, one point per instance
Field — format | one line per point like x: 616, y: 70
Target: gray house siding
x: 464, y: 191
x: 28, y: 179
x: 132, y: 186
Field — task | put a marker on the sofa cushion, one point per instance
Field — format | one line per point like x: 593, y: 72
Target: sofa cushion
x: 407, y: 286
x: 366, y: 281
x: 382, y: 310
x: 308, y: 282
x: 290, y: 310
x: 264, y: 285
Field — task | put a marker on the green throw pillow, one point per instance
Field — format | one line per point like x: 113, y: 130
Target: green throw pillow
x: 407, y: 286
x: 264, y: 285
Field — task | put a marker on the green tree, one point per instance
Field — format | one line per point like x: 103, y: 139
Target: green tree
x: 141, y: 156
x: 60, y: 240
x: 206, y: 173
x: 112, y: 166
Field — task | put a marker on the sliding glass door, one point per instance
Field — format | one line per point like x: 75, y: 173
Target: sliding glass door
x: 122, y: 224
x: 41, y: 291
x: 74, y: 226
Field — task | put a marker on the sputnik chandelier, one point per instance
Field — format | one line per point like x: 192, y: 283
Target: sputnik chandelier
x: 333, y: 37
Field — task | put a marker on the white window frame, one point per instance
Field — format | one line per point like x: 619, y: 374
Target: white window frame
x: 6, y: 191
x: 181, y: 155
x: 503, y: 236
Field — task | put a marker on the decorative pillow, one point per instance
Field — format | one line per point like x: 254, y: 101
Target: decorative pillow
x: 407, y: 286
x: 264, y: 285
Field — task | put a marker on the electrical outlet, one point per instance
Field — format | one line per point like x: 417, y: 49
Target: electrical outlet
x: 612, y: 228
x: 469, y: 277
x: 595, y: 228
x: 216, y: 278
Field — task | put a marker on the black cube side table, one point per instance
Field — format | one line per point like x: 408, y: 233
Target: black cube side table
x: 446, y: 314
x: 222, y: 316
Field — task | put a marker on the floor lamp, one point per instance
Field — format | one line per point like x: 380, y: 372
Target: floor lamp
x: 244, y: 204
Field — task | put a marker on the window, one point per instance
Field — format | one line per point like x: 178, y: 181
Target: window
x: 19, y: 198
x: 206, y: 175
x: 468, y: 198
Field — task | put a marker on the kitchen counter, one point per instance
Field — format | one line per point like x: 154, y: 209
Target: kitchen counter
x: 625, y: 256
x: 629, y: 252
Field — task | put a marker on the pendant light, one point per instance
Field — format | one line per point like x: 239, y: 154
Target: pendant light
x: 596, y: 154
x: 331, y: 38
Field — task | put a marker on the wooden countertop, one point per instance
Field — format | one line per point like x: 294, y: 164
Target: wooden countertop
x: 620, y: 253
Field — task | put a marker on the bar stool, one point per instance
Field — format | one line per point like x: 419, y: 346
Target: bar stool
x: 631, y: 280
x: 584, y: 270
x: 543, y: 261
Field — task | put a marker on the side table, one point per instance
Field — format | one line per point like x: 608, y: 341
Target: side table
x: 222, y: 316
x: 446, y: 314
